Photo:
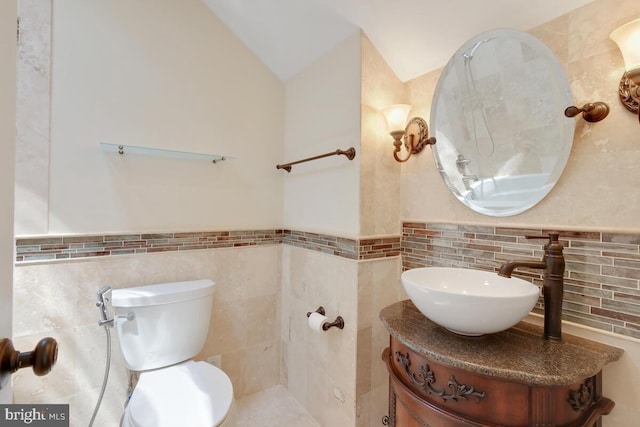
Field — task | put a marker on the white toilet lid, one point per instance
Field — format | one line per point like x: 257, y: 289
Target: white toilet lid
x: 194, y: 394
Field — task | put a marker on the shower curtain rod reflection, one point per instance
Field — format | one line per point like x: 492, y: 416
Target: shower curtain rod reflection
x: 350, y: 153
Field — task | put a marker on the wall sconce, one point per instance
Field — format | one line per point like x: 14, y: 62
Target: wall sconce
x: 627, y: 37
x: 415, y: 133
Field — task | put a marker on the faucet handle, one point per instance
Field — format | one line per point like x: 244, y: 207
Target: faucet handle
x: 553, y: 236
x: 553, y: 245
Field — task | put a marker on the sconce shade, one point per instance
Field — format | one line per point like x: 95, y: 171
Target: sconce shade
x: 627, y: 37
x: 396, y: 116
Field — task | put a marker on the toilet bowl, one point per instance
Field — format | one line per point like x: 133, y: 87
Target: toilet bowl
x: 160, y: 328
x: 188, y: 394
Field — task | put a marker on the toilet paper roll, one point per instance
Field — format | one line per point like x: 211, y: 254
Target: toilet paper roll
x: 316, y: 320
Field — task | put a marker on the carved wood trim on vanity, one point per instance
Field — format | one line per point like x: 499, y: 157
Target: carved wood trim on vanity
x: 416, y: 401
x: 581, y: 398
x: 426, y: 378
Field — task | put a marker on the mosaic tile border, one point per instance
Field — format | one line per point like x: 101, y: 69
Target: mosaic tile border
x: 339, y: 246
x: 51, y: 248
x: 602, y: 277
x: 356, y: 249
x: 72, y: 247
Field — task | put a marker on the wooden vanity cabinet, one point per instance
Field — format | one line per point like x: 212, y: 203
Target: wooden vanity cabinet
x: 424, y: 393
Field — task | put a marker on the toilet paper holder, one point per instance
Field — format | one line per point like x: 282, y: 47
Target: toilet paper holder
x: 338, y: 323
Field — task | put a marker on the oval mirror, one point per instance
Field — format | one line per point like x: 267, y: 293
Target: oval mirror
x: 498, y: 117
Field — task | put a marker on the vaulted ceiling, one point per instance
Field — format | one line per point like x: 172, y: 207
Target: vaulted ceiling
x: 414, y: 36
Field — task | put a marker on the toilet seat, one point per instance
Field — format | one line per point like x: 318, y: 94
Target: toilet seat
x: 194, y: 394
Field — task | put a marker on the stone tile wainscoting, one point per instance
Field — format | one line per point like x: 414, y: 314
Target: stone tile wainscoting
x: 57, y: 299
x: 601, y: 291
x: 601, y: 287
x: 266, y: 281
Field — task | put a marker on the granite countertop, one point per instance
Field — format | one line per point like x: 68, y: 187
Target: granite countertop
x: 518, y: 354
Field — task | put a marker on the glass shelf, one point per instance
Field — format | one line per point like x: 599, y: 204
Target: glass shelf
x: 124, y: 149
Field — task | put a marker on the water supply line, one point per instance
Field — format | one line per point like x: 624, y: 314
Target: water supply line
x: 103, y: 297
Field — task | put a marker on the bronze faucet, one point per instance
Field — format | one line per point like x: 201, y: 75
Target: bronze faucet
x: 553, y: 265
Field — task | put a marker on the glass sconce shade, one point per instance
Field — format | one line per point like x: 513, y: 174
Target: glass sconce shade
x: 396, y: 116
x: 627, y: 37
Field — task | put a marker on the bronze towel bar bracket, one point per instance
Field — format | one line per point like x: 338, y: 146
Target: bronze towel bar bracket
x: 591, y: 112
x: 349, y: 153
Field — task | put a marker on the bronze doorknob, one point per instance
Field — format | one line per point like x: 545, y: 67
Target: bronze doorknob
x: 41, y: 359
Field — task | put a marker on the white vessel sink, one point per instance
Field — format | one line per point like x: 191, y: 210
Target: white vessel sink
x: 469, y: 302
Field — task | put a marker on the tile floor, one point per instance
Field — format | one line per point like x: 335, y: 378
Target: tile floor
x: 273, y: 407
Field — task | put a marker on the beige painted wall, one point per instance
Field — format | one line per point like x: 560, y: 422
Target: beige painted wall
x: 33, y: 112
x: 159, y: 74
x: 602, y: 172
x: 323, y: 114
x: 8, y: 13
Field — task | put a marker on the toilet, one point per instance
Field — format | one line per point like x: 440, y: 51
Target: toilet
x: 161, y: 328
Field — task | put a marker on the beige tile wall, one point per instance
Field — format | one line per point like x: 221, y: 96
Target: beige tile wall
x: 378, y: 286
x: 319, y: 369
x: 379, y: 172
x: 56, y: 296
x: 378, y: 279
x: 598, y: 188
x: 337, y: 375
x: 58, y: 299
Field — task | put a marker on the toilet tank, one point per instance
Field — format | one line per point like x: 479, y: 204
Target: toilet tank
x: 164, y: 324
